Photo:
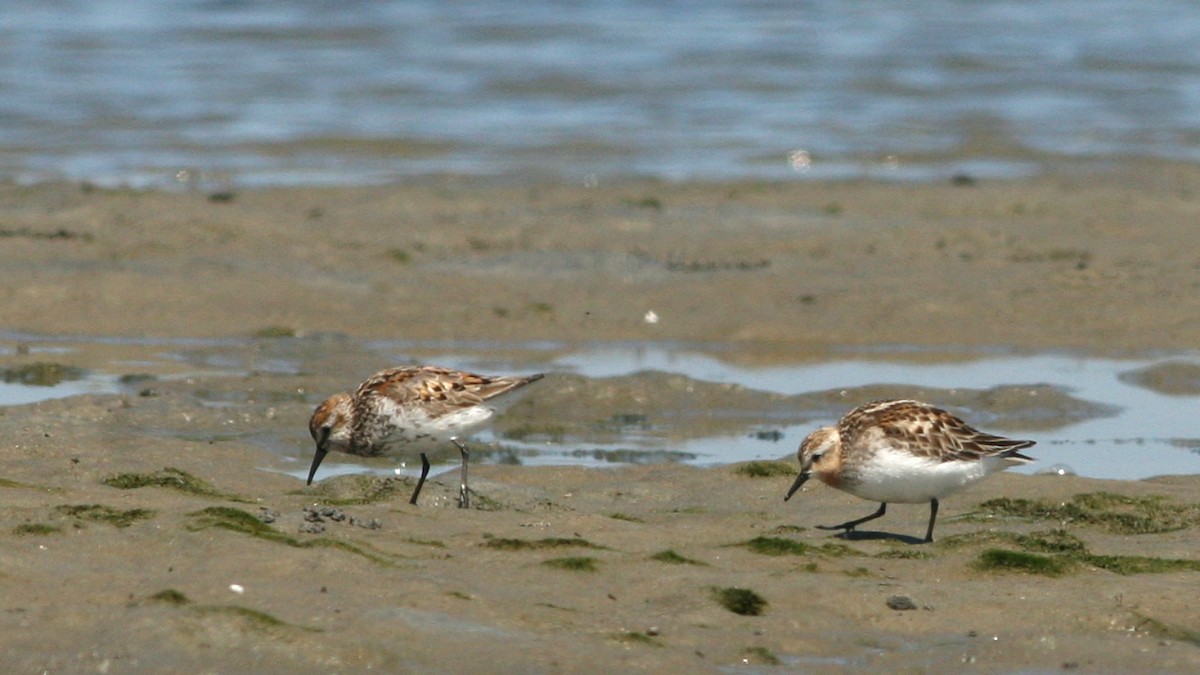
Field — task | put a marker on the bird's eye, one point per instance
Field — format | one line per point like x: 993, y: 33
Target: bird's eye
x: 817, y: 455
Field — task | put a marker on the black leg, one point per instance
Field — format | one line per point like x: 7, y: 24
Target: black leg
x: 933, y: 507
x: 464, y: 501
x: 421, y: 480
x: 850, y: 525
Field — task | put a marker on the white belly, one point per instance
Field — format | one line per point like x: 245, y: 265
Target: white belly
x: 415, y: 431
x: 907, y: 479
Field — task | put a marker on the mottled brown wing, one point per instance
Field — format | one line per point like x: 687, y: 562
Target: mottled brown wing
x: 929, y: 431
x: 439, y: 390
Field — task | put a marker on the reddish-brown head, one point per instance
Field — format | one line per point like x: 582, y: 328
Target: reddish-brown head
x: 820, y: 453
x: 330, y: 427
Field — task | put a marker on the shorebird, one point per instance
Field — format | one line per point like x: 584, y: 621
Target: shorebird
x: 902, y: 451
x: 409, y: 409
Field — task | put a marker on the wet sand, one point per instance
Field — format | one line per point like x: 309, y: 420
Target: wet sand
x: 1091, y: 261
x: 144, y: 535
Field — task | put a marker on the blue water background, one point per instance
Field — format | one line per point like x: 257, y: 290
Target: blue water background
x: 228, y: 92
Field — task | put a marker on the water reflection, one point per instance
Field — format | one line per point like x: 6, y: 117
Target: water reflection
x: 41, y: 381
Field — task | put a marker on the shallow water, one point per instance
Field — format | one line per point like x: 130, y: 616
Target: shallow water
x: 213, y: 94
x: 18, y: 393
x: 1150, y: 433
x: 1094, y: 417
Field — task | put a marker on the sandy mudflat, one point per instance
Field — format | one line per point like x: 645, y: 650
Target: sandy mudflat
x: 1090, y: 261
x: 569, y: 569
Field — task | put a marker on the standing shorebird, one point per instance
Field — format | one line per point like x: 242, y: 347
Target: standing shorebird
x: 902, y: 451
x: 409, y: 409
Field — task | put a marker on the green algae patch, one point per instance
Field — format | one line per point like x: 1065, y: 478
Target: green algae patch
x: 955, y: 541
x: 485, y: 503
x: 170, y: 596
x: 572, y: 563
x: 36, y: 529
x: 274, y: 332
x: 1068, y: 551
x: 765, y: 470
x: 358, y: 549
x: 237, y: 520
x: 760, y: 656
x: 1058, y: 542
x: 741, y: 601
x: 1162, y: 629
x: 1127, y: 565
x: 626, y: 517
x: 780, y: 546
x: 512, y: 544
x: 638, y: 637
x: 672, y: 558
x: 42, y: 374
x: 17, y: 485
x: 837, y: 550
x: 172, y: 479
x: 1003, y: 560
x: 904, y: 554
x: 358, y: 490
x: 241, y: 522
x: 254, y: 619
x: 1115, y: 513
x: 98, y: 513
x: 435, y: 543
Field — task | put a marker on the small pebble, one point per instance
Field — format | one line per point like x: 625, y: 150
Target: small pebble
x: 901, y: 603
x: 311, y: 528
x: 318, y: 515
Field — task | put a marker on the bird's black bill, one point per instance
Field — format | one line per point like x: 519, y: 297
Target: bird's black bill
x: 312, y: 471
x: 800, y: 480
x: 322, y: 450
